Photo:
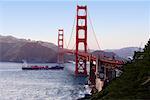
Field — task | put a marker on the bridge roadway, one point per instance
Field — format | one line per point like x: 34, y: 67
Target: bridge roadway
x: 90, y: 56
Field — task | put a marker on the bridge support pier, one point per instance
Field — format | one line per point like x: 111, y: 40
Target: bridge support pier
x: 92, y: 75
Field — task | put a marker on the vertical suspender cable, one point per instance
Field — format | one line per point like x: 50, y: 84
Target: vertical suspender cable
x: 93, y: 31
x: 71, y: 32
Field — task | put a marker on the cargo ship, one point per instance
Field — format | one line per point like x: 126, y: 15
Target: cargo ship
x: 25, y: 66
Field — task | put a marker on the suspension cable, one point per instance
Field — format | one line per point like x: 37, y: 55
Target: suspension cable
x: 71, y: 31
x: 73, y: 46
x: 93, y: 31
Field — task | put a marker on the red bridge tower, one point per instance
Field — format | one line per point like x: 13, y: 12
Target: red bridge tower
x: 81, y: 29
x: 60, y: 46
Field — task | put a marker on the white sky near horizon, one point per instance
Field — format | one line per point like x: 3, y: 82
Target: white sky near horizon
x: 116, y: 23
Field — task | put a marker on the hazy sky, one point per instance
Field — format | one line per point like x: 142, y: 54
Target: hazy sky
x: 116, y: 23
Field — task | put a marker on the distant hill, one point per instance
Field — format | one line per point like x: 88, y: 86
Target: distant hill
x: 11, y: 39
x: 108, y: 54
x: 125, y: 53
x: 15, y: 50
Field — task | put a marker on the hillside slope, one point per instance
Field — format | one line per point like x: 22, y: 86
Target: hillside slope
x: 126, y: 52
x: 134, y: 83
x: 16, y: 50
x: 31, y: 52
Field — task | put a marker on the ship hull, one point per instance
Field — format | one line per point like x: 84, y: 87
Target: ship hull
x: 38, y: 68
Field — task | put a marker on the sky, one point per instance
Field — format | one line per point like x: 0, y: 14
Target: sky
x: 116, y: 24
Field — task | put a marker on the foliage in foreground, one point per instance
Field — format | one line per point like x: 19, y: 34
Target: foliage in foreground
x: 134, y: 83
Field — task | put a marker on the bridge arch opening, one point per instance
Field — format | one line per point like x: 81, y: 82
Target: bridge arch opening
x: 81, y: 22
x: 81, y: 12
x: 81, y: 34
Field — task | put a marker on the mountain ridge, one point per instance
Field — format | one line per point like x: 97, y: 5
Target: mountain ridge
x: 14, y: 49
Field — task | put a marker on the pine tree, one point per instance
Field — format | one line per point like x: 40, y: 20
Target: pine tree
x: 147, y: 46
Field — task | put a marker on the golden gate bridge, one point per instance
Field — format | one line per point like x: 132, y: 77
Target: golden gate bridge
x: 99, y: 64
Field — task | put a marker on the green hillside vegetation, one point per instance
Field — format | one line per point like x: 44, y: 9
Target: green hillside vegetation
x: 134, y: 83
